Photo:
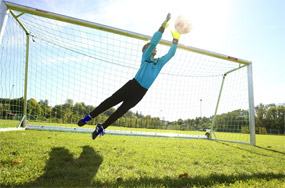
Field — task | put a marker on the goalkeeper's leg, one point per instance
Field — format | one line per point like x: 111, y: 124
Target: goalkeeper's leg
x: 136, y: 94
x: 115, y: 99
x: 128, y: 104
x: 124, y: 108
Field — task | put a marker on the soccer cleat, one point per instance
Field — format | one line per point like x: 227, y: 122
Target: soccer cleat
x: 99, y: 130
x: 84, y: 120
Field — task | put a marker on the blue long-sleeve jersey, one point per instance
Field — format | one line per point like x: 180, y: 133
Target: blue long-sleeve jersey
x: 150, y: 67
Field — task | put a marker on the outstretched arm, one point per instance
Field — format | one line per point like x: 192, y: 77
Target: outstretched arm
x: 156, y: 37
x: 165, y: 24
x: 164, y: 59
x: 171, y: 52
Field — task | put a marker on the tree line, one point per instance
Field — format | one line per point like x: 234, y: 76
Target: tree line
x: 268, y: 118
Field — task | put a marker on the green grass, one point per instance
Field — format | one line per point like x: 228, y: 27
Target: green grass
x: 9, y: 123
x: 59, y: 159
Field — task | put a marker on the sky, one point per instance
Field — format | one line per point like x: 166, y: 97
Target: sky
x: 253, y: 30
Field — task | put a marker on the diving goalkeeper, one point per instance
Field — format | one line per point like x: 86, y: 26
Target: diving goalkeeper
x: 134, y: 90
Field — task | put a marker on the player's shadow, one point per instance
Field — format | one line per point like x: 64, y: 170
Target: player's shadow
x: 63, y: 170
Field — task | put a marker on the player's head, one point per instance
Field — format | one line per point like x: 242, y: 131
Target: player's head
x: 146, y: 46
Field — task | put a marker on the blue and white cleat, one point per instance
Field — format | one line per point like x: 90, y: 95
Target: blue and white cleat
x: 84, y: 120
x: 99, y: 130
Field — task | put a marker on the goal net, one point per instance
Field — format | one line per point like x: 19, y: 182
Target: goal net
x: 55, y: 69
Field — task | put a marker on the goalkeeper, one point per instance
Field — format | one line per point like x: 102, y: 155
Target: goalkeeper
x: 134, y: 90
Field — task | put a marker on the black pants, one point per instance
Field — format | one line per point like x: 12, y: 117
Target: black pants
x: 131, y: 93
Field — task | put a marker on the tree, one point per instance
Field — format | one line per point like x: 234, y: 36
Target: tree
x: 45, y: 109
x: 260, y: 115
x: 68, y: 103
x: 80, y: 108
x: 280, y: 120
x: 109, y: 112
x: 57, y: 112
x: 17, y: 106
x: 33, y: 109
x: 67, y: 115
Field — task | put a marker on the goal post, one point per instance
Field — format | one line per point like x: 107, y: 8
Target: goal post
x: 251, y: 105
x: 3, y: 19
x: 67, y: 66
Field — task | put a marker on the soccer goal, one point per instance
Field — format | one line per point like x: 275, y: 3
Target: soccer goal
x: 55, y: 69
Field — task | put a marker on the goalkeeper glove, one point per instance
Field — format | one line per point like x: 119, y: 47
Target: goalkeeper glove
x: 165, y: 24
x: 176, y: 36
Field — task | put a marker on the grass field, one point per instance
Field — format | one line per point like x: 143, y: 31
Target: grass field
x: 58, y: 159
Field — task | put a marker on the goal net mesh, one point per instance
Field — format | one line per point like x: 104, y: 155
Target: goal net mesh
x: 72, y: 69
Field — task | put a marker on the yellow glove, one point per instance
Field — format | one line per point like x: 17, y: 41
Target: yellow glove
x: 165, y: 24
x: 175, y: 35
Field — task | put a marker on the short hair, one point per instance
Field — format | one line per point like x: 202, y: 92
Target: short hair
x: 145, y: 46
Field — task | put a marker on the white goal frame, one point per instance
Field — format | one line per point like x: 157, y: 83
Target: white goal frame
x: 8, y: 8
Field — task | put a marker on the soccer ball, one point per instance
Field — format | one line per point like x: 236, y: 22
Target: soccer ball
x: 182, y: 25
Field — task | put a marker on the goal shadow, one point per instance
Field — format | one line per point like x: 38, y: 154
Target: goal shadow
x: 253, y: 152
